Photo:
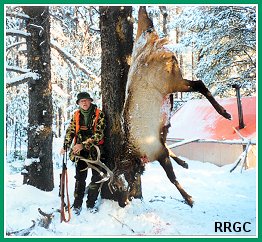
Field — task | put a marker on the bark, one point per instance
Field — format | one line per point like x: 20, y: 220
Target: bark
x: 40, y: 174
x: 117, y: 43
x: 163, y: 11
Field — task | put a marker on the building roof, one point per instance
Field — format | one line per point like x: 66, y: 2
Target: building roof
x: 198, y: 119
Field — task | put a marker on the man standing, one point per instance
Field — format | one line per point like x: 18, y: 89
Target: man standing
x: 86, y: 129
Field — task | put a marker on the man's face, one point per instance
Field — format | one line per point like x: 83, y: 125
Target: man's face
x: 84, y: 103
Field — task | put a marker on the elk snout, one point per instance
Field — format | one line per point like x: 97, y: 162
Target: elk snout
x: 121, y: 188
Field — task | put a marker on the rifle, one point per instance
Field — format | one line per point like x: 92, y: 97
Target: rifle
x: 65, y: 214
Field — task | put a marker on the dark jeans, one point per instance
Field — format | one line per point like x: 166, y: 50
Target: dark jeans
x: 80, y: 185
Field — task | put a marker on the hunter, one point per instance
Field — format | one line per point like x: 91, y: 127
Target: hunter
x: 85, y: 130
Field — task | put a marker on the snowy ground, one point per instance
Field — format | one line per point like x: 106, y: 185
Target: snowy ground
x: 220, y: 196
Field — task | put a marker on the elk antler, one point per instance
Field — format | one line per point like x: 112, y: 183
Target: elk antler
x: 91, y: 164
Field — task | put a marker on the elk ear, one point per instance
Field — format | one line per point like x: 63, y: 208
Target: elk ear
x: 144, y: 22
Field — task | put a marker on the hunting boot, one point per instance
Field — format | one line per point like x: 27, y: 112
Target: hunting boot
x: 92, y: 194
x: 79, y: 195
x: 80, y: 186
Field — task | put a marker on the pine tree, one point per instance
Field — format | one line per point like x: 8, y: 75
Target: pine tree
x: 224, y: 44
x: 116, y: 43
x: 39, y: 153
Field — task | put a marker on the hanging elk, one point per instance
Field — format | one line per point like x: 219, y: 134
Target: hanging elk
x: 153, y: 75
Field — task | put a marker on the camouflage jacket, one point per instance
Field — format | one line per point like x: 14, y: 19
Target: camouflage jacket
x: 90, y: 138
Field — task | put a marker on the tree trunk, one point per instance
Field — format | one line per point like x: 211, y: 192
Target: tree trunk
x: 179, y: 56
x: 39, y: 152
x: 163, y: 11
x: 60, y: 119
x: 117, y: 43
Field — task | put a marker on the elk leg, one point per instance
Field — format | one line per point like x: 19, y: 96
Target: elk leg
x: 177, y: 160
x: 167, y: 165
x: 199, y: 86
x: 180, y: 161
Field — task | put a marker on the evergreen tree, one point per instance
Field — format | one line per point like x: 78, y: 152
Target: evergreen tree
x: 224, y: 41
x: 39, y: 152
x: 116, y: 43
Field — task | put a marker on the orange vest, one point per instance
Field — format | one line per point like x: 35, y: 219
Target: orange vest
x: 77, y: 120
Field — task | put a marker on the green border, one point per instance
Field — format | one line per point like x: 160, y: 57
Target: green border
x: 119, y: 2
x: 96, y: 2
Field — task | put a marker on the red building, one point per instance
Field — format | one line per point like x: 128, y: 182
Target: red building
x: 217, y: 140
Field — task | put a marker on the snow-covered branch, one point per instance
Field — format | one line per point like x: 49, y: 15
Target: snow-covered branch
x: 59, y: 91
x: 17, y: 69
x: 17, y: 15
x: 21, y: 79
x: 40, y: 28
x: 250, y: 58
x: 71, y: 69
x: 72, y: 59
x: 242, y: 157
x: 15, y: 32
x: 15, y: 44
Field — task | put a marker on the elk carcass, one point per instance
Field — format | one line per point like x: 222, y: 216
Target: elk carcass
x: 153, y: 75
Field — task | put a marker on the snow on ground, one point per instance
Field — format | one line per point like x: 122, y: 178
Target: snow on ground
x: 220, y: 196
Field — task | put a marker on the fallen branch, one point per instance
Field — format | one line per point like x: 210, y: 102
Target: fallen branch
x: 123, y: 224
x: 44, y: 221
x: 22, y: 232
x: 242, y: 157
x: 245, y: 158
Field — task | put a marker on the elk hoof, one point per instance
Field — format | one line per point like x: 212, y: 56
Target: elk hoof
x: 227, y: 115
x: 189, y: 201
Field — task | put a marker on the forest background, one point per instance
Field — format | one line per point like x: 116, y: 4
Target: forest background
x: 216, y: 44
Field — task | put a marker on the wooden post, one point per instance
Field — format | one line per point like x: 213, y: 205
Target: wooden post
x: 239, y: 106
x: 240, y: 112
